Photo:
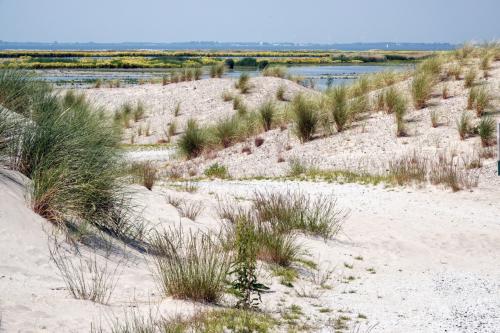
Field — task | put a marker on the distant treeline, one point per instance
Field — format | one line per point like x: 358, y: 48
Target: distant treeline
x: 178, y: 59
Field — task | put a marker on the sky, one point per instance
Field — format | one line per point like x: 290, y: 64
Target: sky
x: 299, y: 21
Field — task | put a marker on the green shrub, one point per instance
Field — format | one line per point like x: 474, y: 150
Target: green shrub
x: 191, y: 265
x: 217, y: 170
x: 193, y: 141
x: 431, y: 66
x: 305, y: 116
x: 197, y: 73
x: 486, y: 131
x: 421, y: 89
x: 391, y: 98
x: 267, y: 113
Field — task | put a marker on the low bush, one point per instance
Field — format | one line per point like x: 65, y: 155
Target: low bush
x: 217, y: 70
x: 226, y: 131
x: 216, y: 170
x: 446, y: 171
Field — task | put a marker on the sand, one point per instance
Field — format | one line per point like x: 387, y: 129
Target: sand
x: 410, y: 259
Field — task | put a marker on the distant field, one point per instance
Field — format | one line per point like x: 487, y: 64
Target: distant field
x: 38, y: 59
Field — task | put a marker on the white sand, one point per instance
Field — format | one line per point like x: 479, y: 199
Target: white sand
x: 435, y: 256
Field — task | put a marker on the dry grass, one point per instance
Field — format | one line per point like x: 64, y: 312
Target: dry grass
x: 85, y: 277
x: 191, y: 265
x: 190, y: 209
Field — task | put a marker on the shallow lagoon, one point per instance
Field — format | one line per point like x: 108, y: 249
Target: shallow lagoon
x: 320, y: 76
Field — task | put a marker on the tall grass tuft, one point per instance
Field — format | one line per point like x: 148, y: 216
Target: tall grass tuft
x: 267, y: 113
x: 391, y: 98
x: 399, y: 113
x: 297, y: 211
x: 226, y: 131
x: 486, y: 131
x: 145, y: 173
x: 217, y: 70
x: 471, y: 99
x: 482, y: 101
x: 68, y: 150
x: 421, y: 89
x: 280, y: 93
x: 243, y: 83
x: 84, y: 277
x: 470, y: 78
x: 464, y: 125
x: 305, y: 116
x: 340, y: 111
x: 191, y: 265
x: 276, y: 71
x: 192, y: 142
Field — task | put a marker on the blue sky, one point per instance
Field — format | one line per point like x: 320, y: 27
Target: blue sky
x: 319, y: 21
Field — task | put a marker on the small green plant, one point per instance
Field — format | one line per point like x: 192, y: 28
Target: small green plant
x: 305, y: 116
x: 380, y: 102
x: 400, y: 112
x: 246, y: 285
x: 197, y: 73
x: 267, y: 113
x: 296, y: 167
x: 471, y: 99
x: 486, y: 131
x: 217, y: 170
x: 193, y: 140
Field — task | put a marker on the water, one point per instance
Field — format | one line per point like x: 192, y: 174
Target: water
x: 320, y: 76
